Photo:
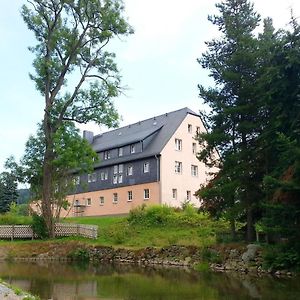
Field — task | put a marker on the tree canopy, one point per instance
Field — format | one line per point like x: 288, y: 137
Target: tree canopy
x: 74, y: 72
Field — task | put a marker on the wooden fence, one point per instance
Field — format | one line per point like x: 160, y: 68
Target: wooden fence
x: 61, y: 229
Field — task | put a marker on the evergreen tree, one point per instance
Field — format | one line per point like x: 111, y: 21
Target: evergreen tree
x: 234, y: 121
x: 8, y: 191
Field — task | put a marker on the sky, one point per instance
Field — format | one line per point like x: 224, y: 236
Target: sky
x: 158, y: 63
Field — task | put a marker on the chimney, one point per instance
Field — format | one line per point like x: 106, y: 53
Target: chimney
x: 88, y: 135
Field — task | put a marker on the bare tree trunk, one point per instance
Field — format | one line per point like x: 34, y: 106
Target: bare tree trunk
x: 48, y: 177
x: 46, y: 194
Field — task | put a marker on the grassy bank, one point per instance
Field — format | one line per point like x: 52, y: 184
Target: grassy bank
x: 156, y: 226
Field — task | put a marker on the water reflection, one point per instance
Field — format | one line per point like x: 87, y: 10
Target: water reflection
x: 63, y: 281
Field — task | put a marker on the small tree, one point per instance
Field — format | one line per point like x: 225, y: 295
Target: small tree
x: 72, y: 36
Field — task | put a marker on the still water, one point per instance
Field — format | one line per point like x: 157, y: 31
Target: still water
x: 66, y: 281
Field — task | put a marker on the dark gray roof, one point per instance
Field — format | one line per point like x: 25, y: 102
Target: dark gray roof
x: 162, y: 127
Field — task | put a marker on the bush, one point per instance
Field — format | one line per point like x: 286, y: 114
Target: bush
x: 281, y: 257
x: 151, y: 216
x: 80, y: 255
x: 39, y: 226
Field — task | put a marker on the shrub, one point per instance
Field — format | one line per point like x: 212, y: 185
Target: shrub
x: 151, y: 216
x: 39, y: 226
x: 281, y: 257
x: 79, y: 254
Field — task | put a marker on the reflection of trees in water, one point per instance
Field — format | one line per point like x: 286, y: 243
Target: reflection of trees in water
x: 60, y: 280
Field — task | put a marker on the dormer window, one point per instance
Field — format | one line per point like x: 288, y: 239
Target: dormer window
x: 132, y: 149
x: 106, y: 155
x: 120, y: 152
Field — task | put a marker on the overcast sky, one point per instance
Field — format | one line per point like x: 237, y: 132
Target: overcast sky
x: 158, y: 63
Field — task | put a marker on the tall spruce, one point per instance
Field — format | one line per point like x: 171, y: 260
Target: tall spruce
x: 234, y: 121
x: 72, y: 36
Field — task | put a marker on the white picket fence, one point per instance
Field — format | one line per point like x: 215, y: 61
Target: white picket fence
x: 61, y: 229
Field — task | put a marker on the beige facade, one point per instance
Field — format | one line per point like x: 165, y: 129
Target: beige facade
x: 112, y: 201
x: 164, y: 145
x: 177, y: 187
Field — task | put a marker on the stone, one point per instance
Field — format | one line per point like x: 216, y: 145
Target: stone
x: 250, y: 254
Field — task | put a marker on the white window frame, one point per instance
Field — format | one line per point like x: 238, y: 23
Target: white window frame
x: 92, y: 177
x: 178, y: 167
x: 197, y: 130
x: 104, y: 175
x: 115, y: 198
x: 89, y: 202
x: 132, y: 148
x: 129, y: 196
x: 106, y: 155
x: 130, y: 170
x: 115, y: 179
x: 146, y: 167
x: 120, y: 151
x: 190, y: 128
x: 178, y: 144
x: 120, y: 168
x: 146, y: 194
x: 115, y: 169
x: 101, y: 200
x: 120, y: 178
x: 194, y: 170
x: 194, y: 148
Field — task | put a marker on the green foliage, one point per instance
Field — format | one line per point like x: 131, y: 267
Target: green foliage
x: 281, y: 257
x: 210, y: 255
x: 39, y: 226
x: 80, y: 254
x: 254, y: 116
x: 8, y: 190
x: 71, y: 40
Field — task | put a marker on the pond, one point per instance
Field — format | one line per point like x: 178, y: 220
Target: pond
x: 73, y: 281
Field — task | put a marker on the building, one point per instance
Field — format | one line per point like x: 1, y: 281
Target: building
x: 153, y: 161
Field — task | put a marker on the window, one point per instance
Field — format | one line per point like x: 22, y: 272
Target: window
x: 121, y: 167
x: 146, y: 167
x: 129, y: 194
x: 197, y: 130
x: 174, y: 193
x: 120, y: 178
x: 92, y: 177
x: 76, y: 202
x: 115, y: 179
x: 120, y: 152
x: 132, y: 149
x: 178, y: 144
x: 194, y: 170
x: 76, y: 180
x: 106, y: 155
x: 146, y: 194
x: 88, y: 202
x: 178, y: 167
x: 116, y: 169
x: 194, y: 146
x: 190, y: 128
x: 101, y: 200
x: 129, y: 170
x: 115, y: 198
x: 104, y: 175
x: 188, y: 195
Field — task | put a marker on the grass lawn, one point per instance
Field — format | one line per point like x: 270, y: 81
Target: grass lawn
x: 155, y: 227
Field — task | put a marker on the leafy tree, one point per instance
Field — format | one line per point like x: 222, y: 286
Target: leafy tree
x: 8, y: 190
x: 72, y: 36
x: 233, y: 123
x: 74, y: 156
